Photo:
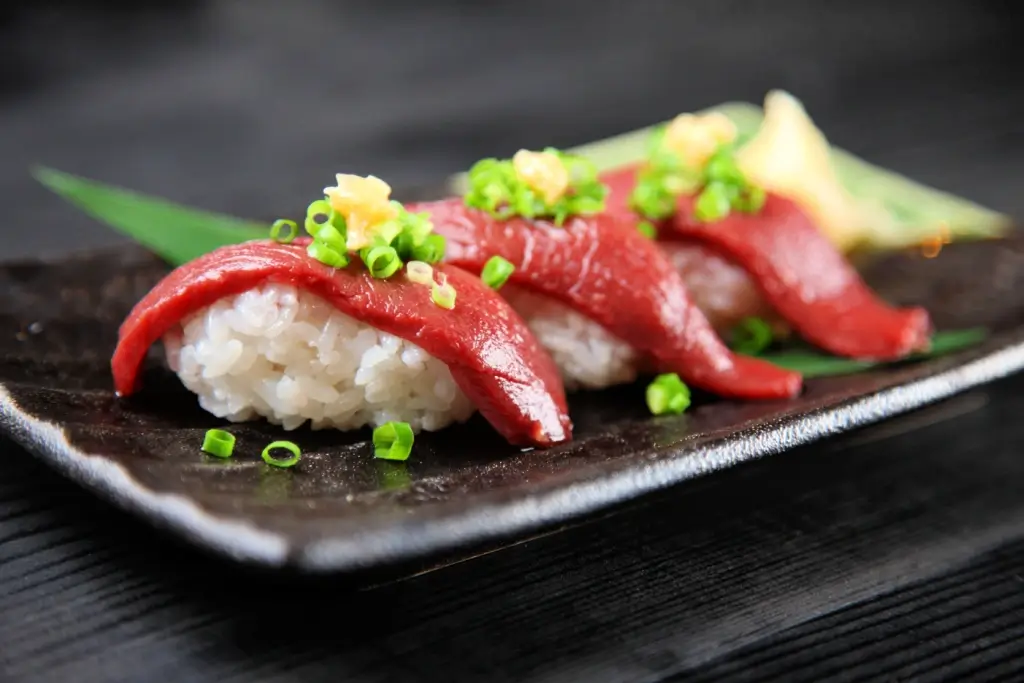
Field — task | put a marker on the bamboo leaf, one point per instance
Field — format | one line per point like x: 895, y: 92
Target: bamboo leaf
x: 814, y: 364
x: 174, y: 232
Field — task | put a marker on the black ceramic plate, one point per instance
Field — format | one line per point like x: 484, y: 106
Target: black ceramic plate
x: 341, y: 509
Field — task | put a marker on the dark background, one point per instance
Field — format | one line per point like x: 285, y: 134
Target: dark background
x: 894, y: 553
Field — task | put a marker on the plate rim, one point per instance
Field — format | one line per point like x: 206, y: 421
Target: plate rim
x: 247, y: 543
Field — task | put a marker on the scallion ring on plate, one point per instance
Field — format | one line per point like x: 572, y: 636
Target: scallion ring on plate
x: 296, y: 454
x: 668, y: 395
x: 219, y: 443
x: 393, y: 441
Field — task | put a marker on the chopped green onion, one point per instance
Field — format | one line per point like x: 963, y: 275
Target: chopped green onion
x: 668, y: 395
x: 662, y: 179
x: 417, y: 225
x: 713, y: 202
x: 419, y: 272
x: 279, y: 224
x: 413, y: 240
x: 496, y: 272
x: 665, y: 177
x: 651, y: 198
x: 318, y: 214
x: 329, y: 236
x: 319, y: 207
x: 751, y: 336
x: 393, y: 441
x: 219, y: 443
x: 722, y: 167
x: 382, y: 262
x: 751, y: 200
x: 327, y: 256
x: 430, y: 250
x: 383, y: 247
x: 443, y: 295
x: 403, y: 245
x: 292, y: 448
x: 495, y: 187
x: 647, y: 229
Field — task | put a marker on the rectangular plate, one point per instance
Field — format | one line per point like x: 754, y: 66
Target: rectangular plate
x: 341, y: 509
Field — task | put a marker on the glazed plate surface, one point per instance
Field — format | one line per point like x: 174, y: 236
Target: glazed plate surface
x: 340, y: 509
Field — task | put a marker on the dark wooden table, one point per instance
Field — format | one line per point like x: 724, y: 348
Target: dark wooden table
x: 893, y: 553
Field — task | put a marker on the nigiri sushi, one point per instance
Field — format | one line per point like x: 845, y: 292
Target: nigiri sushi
x: 720, y: 288
x: 346, y: 330
x: 601, y: 298
x: 701, y: 204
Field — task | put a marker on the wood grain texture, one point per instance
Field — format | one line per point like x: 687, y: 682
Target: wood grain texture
x: 166, y: 100
x: 671, y: 583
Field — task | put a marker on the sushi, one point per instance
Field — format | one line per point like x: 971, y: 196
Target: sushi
x: 700, y: 202
x: 720, y: 288
x: 601, y: 298
x: 345, y: 331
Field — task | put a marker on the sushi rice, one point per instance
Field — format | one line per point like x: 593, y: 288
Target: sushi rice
x: 587, y: 355
x: 288, y: 356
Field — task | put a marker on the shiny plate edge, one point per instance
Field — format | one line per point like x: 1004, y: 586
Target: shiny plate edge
x: 246, y: 543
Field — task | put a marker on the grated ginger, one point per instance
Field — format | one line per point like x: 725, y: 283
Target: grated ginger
x: 544, y: 172
x: 365, y: 204
x: 694, y: 138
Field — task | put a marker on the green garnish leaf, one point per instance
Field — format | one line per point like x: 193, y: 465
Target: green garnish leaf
x: 393, y: 441
x: 496, y: 272
x: 667, y: 395
x: 495, y: 187
x: 814, y: 364
x: 219, y: 443
x: 268, y: 457
x: 176, y: 233
x: 751, y: 336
